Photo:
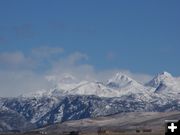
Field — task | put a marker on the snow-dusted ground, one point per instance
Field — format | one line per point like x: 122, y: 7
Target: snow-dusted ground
x: 118, y: 122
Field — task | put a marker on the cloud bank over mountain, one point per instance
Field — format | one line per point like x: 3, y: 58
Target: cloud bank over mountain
x: 43, y: 67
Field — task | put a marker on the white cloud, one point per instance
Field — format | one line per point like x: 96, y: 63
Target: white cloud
x: 14, y: 83
x: 22, y: 79
x: 75, y: 57
x: 15, y: 60
x: 178, y: 79
x: 12, y: 58
x: 71, y: 65
x: 88, y: 72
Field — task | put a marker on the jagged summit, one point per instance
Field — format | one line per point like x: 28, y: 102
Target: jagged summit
x: 165, y: 73
x: 162, y: 78
x: 120, y: 84
x: 119, y: 80
x: 120, y: 77
x: 165, y: 83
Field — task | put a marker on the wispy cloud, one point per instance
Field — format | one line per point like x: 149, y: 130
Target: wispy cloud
x: 21, y: 73
x: 12, y: 58
x: 31, y: 60
x: 45, y: 51
x: 17, y: 82
x: 75, y: 57
x: 15, y: 60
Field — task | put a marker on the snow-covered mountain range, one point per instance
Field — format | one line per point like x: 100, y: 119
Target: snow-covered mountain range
x: 117, y: 86
x: 72, y: 100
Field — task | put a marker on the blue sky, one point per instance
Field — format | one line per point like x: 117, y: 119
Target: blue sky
x: 138, y: 36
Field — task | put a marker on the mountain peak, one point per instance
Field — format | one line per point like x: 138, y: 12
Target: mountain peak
x: 165, y: 74
x: 120, y: 77
x: 161, y: 78
x: 119, y: 80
